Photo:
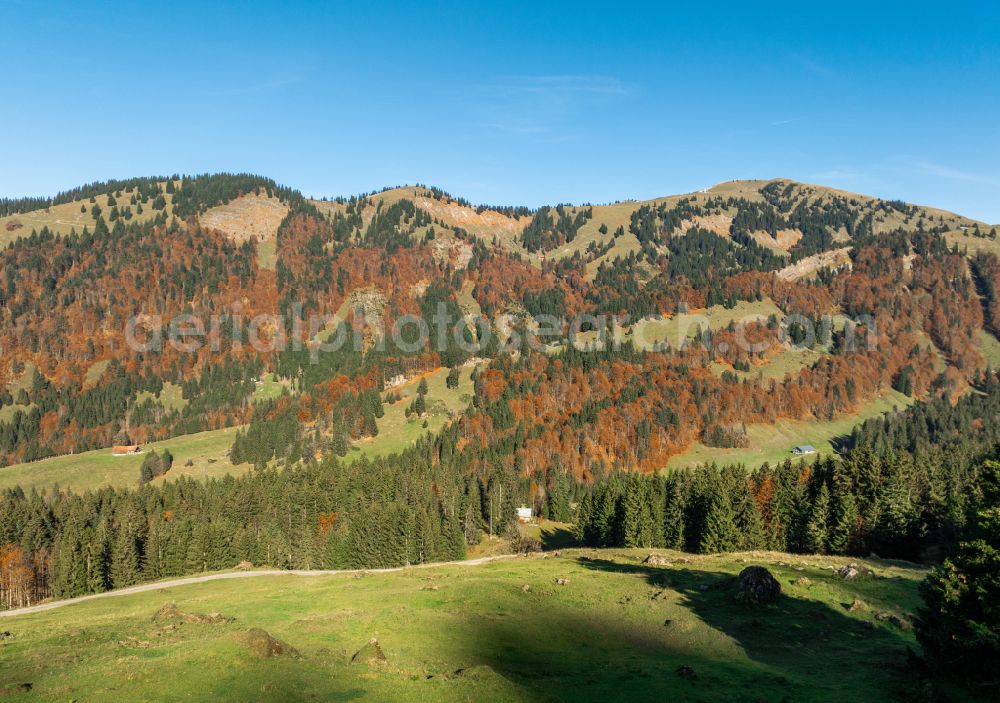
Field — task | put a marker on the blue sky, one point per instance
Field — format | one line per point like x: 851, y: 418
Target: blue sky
x: 517, y: 104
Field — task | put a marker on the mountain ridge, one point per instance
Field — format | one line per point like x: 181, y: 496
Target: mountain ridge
x: 154, y: 249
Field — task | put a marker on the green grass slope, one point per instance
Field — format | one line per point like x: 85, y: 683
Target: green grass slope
x: 773, y: 443
x: 207, y: 452
x: 396, y: 431
x: 615, y: 215
x: 66, y: 217
x: 618, y: 629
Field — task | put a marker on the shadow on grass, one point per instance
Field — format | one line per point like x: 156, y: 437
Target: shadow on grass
x: 557, y: 536
x: 677, y: 634
x: 564, y: 654
x: 794, y: 635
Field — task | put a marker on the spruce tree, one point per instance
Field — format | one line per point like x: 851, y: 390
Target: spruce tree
x: 605, y: 506
x: 70, y: 578
x: 97, y: 555
x: 584, y: 516
x: 673, y: 516
x: 959, y: 624
x: 453, y: 541
x: 198, y: 548
x: 125, y: 558
x: 635, y: 526
x: 152, y: 564
x: 843, y: 524
x: 719, y: 534
x: 749, y: 523
x: 335, y: 550
x: 815, y: 534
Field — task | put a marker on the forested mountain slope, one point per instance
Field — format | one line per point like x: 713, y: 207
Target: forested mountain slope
x: 205, y: 246
x: 613, y: 338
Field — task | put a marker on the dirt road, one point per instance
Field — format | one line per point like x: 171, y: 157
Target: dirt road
x: 157, y: 585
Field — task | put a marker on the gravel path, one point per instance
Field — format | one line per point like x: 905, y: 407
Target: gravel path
x: 157, y: 585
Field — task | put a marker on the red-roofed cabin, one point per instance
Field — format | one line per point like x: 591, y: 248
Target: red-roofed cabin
x: 125, y: 449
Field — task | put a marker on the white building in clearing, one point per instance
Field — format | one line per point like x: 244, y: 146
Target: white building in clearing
x: 524, y: 514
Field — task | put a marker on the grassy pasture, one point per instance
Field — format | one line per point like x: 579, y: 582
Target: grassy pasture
x: 62, y: 219
x: 990, y: 349
x: 612, y: 217
x: 466, y: 301
x: 7, y: 412
x: 249, y: 215
x: 973, y: 244
x: 97, y: 468
x: 22, y: 381
x: 208, y: 450
x: 502, y: 631
x: 14, y: 386
x: 270, y: 387
x: 94, y: 373
x: 650, y: 332
x: 773, y: 443
x: 396, y: 432
x: 789, y: 360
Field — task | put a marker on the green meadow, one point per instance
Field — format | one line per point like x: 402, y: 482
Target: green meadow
x: 576, y: 625
x: 207, y: 452
x: 773, y: 443
x: 396, y: 431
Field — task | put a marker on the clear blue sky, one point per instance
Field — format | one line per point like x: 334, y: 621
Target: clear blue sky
x: 520, y: 104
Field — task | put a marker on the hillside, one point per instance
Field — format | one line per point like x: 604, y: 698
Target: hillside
x: 81, y: 209
x: 687, y: 274
x: 502, y: 631
x: 682, y: 269
x: 597, y: 233
x: 255, y: 215
x: 771, y: 365
x: 204, y: 455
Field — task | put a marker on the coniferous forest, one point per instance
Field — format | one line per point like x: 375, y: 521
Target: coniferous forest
x: 908, y: 487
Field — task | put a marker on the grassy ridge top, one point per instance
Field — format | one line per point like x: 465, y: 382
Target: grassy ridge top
x: 617, y: 629
x: 481, y: 221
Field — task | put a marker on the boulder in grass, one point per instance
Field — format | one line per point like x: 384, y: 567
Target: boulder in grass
x: 371, y: 654
x: 263, y: 646
x: 686, y: 672
x: 170, y: 611
x: 896, y: 620
x: 656, y: 560
x: 901, y: 623
x: 848, y: 572
x: 757, y: 586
